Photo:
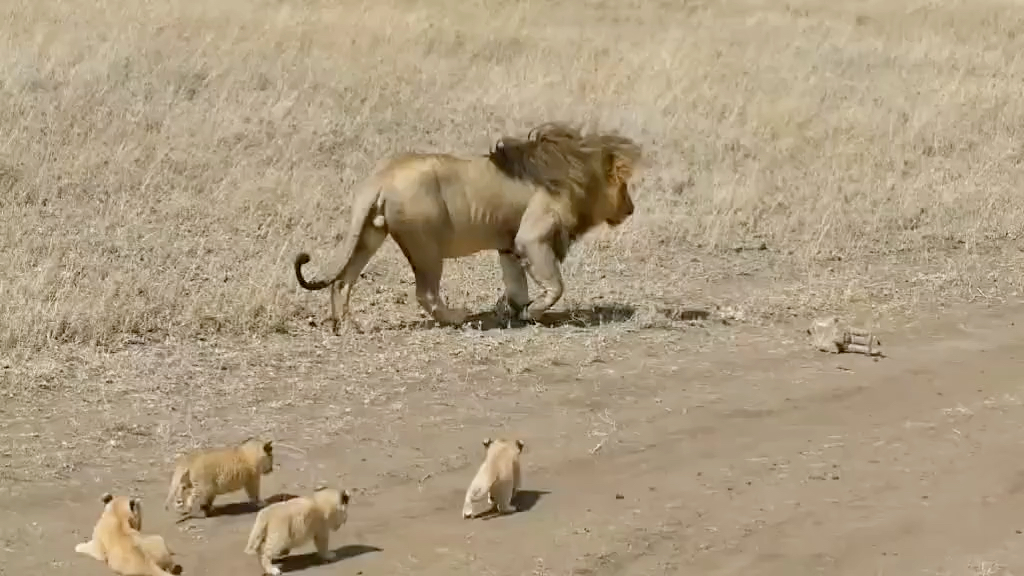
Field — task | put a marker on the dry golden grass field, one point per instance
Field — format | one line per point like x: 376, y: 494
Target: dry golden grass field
x: 161, y: 164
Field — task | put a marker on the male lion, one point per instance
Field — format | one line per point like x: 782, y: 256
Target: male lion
x: 529, y: 200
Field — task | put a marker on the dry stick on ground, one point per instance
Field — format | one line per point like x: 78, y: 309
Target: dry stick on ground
x: 828, y: 334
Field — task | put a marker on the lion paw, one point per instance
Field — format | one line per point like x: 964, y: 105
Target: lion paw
x: 328, y: 556
x: 507, y: 308
x: 532, y: 314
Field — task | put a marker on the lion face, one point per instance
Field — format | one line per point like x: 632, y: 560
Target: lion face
x: 266, y: 464
x: 622, y: 204
x: 618, y: 171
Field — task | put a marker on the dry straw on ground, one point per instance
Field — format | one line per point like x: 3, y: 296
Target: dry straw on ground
x: 161, y: 163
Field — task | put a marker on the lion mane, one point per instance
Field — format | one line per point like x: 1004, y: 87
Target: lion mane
x: 529, y: 199
x: 571, y: 167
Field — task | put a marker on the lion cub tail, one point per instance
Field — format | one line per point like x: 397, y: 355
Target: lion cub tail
x: 180, y: 477
x: 258, y: 534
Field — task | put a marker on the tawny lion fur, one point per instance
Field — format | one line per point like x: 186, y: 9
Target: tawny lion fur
x: 117, y: 542
x: 285, y: 525
x: 206, y: 474
x: 498, y: 477
x: 529, y: 200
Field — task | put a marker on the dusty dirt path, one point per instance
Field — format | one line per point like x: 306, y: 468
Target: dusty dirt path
x: 771, y: 460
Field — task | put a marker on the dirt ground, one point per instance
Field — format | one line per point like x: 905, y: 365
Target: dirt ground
x: 162, y: 164
x: 706, y: 448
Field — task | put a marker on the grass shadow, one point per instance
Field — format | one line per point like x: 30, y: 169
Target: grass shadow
x: 297, y: 562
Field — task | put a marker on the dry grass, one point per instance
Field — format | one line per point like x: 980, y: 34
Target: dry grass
x: 161, y: 163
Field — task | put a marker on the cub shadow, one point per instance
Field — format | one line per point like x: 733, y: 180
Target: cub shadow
x: 588, y: 317
x: 295, y: 562
x: 524, y: 501
x: 245, y: 507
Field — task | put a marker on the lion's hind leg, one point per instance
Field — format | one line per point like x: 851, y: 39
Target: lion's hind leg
x: 428, y: 266
x: 273, y: 548
x: 502, y: 493
x: 370, y: 240
x: 89, y: 548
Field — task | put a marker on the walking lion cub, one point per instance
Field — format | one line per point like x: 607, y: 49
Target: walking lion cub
x: 206, y: 474
x: 292, y: 523
x: 116, y: 541
x: 497, y: 478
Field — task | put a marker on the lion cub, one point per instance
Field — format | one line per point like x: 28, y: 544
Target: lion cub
x: 209, y: 473
x: 116, y: 540
x: 291, y: 523
x: 497, y: 478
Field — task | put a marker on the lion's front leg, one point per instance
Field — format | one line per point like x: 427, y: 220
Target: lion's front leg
x: 517, y: 292
x: 543, y: 266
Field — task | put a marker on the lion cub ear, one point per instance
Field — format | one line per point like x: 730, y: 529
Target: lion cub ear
x: 106, y: 497
x: 487, y: 442
x: 345, y: 497
x: 520, y: 444
x: 268, y: 447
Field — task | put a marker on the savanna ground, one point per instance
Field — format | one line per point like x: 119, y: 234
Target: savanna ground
x: 162, y: 163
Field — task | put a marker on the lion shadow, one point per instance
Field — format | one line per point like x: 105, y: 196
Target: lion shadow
x: 246, y: 507
x: 524, y: 501
x: 584, y: 317
x: 296, y: 562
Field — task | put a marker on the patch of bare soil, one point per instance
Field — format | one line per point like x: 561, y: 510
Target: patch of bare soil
x: 702, y: 448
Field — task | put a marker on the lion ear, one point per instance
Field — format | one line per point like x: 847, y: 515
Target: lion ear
x: 345, y: 497
x: 268, y: 447
x: 520, y: 444
x: 487, y: 442
x: 135, y: 504
x: 106, y: 497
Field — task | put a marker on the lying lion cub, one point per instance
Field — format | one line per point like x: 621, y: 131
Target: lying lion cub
x: 289, y: 524
x: 209, y: 473
x: 116, y: 540
x: 497, y: 478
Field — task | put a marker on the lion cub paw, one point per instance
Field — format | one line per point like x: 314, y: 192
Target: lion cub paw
x: 329, y: 556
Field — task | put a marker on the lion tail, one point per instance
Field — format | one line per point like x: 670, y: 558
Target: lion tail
x: 368, y: 201
x: 179, y: 478
x: 258, y: 533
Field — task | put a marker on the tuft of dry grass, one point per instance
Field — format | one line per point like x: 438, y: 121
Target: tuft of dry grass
x: 161, y: 164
